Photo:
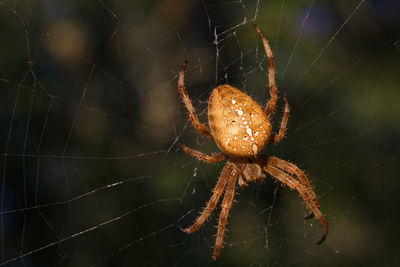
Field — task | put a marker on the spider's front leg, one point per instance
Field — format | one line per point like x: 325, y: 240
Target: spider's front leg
x: 301, y: 176
x: 291, y: 169
x: 306, y: 192
x: 223, y: 217
x: 218, y: 190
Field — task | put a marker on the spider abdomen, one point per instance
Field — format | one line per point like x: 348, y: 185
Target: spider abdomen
x: 238, y: 123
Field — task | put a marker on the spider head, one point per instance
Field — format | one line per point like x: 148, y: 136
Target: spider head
x: 238, y: 124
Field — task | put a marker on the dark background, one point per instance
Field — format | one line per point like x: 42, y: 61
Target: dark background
x: 90, y: 116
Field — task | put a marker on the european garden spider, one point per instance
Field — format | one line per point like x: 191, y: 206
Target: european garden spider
x: 241, y: 129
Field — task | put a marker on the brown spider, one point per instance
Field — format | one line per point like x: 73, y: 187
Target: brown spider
x: 241, y: 129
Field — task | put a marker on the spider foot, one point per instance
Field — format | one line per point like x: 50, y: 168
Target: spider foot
x: 322, y: 239
x: 309, y: 216
x: 184, y: 65
x: 182, y: 146
x: 186, y: 230
x: 325, y: 224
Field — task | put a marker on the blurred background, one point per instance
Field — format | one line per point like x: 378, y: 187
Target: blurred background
x: 90, y: 117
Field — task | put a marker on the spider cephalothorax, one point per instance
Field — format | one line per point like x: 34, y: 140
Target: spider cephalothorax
x: 241, y: 129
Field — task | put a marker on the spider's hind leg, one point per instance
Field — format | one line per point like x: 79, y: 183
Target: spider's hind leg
x: 273, y: 91
x: 201, y: 128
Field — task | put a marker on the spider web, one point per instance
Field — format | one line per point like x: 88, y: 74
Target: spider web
x: 90, y: 118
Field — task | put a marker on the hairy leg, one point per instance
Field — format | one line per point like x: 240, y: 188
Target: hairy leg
x: 201, y: 156
x: 223, y: 217
x: 218, y: 190
x: 273, y: 91
x: 201, y: 128
x: 306, y: 193
x: 282, y: 130
x: 289, y: 168
x: 294, y: 170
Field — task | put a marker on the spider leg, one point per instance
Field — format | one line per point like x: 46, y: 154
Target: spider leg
x: 305, y: 192
x: 218, y: 190
x: 282, y: 130
x: 223, y: 217
x: 290, y: 168
x: 201, y: 128
x: 201, y: 156
x: 273, y: 91
x: 309, y: 216
x: 294, y: 170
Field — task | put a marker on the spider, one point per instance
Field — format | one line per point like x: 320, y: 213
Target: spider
x: 241, y: 129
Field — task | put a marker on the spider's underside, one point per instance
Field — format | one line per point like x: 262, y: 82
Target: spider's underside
x: 241, y: 129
